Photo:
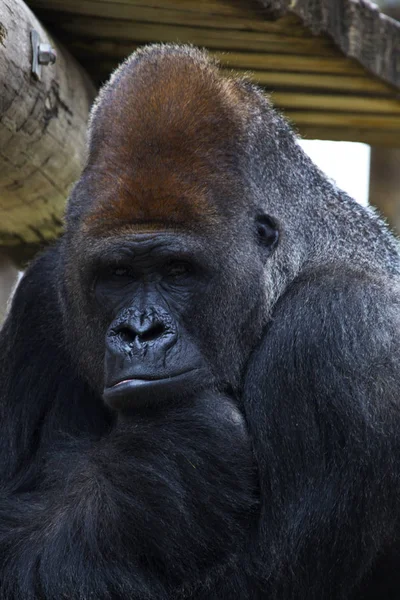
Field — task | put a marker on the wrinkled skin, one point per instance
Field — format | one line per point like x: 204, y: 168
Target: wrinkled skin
x: 199, y: 380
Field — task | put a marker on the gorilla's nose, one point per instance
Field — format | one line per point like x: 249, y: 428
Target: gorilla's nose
x: 141, y: 333
x: 141, y: 329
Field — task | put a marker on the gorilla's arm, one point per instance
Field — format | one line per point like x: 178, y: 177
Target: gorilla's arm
x: 158, y: 509
x: 40, y: 391
x: 322, y: 402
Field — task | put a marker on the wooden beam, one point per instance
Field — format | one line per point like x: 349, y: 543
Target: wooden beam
x: 42, y: 130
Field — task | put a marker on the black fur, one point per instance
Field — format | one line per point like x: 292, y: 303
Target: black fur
x: 92, y: 506
x: 280, y: 479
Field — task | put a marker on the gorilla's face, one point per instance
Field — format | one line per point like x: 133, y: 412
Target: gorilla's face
x: 175, y: 313
x: 153, y: 289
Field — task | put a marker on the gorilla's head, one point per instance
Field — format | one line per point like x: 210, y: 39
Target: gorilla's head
x: 166, y: 263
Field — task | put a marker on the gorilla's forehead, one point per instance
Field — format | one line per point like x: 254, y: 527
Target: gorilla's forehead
x: 158, y: 198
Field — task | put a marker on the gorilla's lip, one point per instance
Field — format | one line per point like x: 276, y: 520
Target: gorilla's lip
x: 144, y: 377
x: 146, y: 388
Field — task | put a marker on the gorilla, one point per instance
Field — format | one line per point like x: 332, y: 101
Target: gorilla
x: 199, y: 383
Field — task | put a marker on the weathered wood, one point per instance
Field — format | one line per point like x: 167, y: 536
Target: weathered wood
x: 42, y: 131
x: 309, y: 76
x: 358, y: 28
x: 384, y: 184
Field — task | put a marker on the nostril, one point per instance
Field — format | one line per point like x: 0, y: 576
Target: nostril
x: 137, y: 331
x: 127, y: 335
x: 151, y: 333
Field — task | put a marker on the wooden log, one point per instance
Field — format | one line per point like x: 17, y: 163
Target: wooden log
x: 42, y: 131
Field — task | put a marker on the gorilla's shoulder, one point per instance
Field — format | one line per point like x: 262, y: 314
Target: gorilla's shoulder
x: 40, y: 280
x: 338, y: 321
x: 334, y: 283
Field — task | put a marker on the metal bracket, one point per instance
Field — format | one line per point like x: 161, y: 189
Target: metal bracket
x: 42, y: 54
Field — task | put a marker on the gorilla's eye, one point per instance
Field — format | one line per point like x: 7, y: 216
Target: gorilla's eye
x: 121, y: 272
x: 267, y: 231
x: 177, y: 268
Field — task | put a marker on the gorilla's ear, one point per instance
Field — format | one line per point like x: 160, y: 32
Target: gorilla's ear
x: 267, y: 231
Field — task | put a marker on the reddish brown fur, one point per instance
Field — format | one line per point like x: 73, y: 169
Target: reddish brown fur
x: 163, y: 135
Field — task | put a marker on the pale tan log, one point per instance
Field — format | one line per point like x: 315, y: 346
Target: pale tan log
x: 384, y: 190
x: 42, y: 130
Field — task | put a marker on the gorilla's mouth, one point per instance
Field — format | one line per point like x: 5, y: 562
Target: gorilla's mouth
x: 139, y: 390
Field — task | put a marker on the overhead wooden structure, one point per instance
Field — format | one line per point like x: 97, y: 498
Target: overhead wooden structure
x: 325, y: 93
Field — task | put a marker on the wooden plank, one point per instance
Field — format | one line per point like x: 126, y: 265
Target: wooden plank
x: 370, y: 136
x: 314, y: 82
x: 300, y: 64
x: 356, y: 121
x: 339, y: 103
x: 42, y: 131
